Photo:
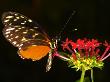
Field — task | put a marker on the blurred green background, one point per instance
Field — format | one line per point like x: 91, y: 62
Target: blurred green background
x: 92, y: 19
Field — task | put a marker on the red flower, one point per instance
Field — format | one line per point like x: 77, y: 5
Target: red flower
x: 95, y: 43
x: 86, y: 48
x: 88, y: 45
x: 80, y: 44
x: 74, y: 45
x: 66, y: 43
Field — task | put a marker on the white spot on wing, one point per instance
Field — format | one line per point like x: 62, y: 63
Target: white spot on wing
x: 16, y: 26
x: 23, y: 39
x: 24, y: 32
x: 16, y: 30
x: 16, y: 14
x: 16, y: 36
x: 7, y: 36
x: 21, y: 45
x: 35, y: 35
x: 6, y: 20
x: 10, y: 24
x: 21, y: 16
x: 15, y: 20
x: 17, y: 17
x: 9, y: 17
x: 19, y: 28
x: 31, y: 29
x: 22, y: 27
x: 17, y: 45
x: 7, y: 32
x: 22, y: 23
x: 30, y: 20
x: 10, y: 29
x: 9, y: 39
x: 11, y: 34
x: 35, y: 27
x: 14, y: 42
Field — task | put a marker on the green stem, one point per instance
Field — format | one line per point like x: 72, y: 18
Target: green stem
x: 92, y: 75
x: 82, y: 75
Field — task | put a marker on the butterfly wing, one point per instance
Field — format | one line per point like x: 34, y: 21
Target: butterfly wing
x: 22, y: 32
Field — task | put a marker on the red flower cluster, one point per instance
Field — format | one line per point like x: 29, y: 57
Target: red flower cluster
x: 86, y: 48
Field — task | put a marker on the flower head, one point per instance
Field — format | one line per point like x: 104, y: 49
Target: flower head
x: 86, y: 53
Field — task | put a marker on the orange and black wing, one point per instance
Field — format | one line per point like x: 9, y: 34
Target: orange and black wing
x: 26, y: 35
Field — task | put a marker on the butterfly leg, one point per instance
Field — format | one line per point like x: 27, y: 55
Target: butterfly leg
x: 49, y: 61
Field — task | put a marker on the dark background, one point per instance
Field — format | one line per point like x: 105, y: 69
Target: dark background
x: 92, y: 19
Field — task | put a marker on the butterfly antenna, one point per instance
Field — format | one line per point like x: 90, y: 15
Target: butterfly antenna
x: 65, y: 25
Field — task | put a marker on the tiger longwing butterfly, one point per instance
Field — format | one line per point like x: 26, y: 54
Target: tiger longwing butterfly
x: 25, y: 34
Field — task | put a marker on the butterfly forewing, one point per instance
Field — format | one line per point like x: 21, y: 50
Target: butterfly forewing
x: 25, y: 34
x: 19, y: 27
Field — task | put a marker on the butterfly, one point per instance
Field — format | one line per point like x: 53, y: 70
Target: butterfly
x: 30, y: 39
